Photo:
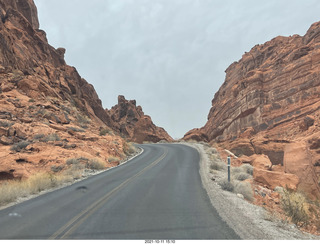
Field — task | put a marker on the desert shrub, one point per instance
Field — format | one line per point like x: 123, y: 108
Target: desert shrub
x: 212, y: 151
x: 5, y: 123
x: 242, y: 176
x: 294, y: 205
x: 105, y: 131
x: 245, y: 189
x: 19, y: 146
x: 218, y: 165
x: 38, y: 136
x: 10, y: 191
x: 76, y: 129
x: 74, y: 172
x: 236, y: 170
x: 39, y: 182
x: 83, y: 120
x: 128, y: 148
x: 52, y: 137
x: 113, y: 159
x: 72, y: 161
x: 247, y: 168
x: 31, y: 100
x: 96, y: 164
x: 226, y: 185
x: 56, y: 169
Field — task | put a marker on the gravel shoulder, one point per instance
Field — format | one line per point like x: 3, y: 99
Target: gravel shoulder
x: 249, y: 221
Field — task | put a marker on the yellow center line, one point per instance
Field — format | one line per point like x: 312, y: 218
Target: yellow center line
x: 76, y: 221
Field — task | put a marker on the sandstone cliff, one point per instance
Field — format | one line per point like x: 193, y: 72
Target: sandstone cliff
x: 48, y: 113
x: 270, y: 100
x: 131, y: 122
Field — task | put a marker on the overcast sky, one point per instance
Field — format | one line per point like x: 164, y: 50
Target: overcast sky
x: 169, y: 55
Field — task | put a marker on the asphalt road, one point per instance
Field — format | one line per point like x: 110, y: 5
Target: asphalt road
x: 157, y: 195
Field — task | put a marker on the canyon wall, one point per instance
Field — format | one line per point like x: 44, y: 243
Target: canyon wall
x: 270, y: 99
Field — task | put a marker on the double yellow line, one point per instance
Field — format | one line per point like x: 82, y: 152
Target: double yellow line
x: 75, y: 222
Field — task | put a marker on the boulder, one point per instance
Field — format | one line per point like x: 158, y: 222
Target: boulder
x: 298, y: 161
x: 272, y: 179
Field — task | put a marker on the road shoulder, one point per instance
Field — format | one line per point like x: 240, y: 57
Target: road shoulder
x: 249, y: 221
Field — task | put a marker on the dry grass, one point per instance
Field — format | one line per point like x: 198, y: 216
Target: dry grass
x: 245, y: 189
x: 218, y: 165
x: 128, y: 148
x: 10, y: 191
x: 113, y: 159
x: 226, y: 185
x: 295, y: 206
x: 96, y: 164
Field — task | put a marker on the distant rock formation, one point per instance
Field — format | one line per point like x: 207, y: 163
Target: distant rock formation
x: 130, y: 121
x: 270, y: 99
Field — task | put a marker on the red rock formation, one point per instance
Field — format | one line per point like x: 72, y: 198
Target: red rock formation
x: 131, y: 122
x: 30, y: 64
x: 270, y: 99
x: 48, y: 113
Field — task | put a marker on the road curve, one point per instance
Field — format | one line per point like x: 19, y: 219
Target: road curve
x: 157, y: 195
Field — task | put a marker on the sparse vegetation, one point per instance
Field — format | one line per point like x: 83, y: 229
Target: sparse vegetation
x: 294, y: 204
x: 242, y: 176
x: 226, y: 185
x: 113, y: 159
x: 56, y: 169
x: 6, y: 124
x: 72, y: 161
x: 38, y: 136
x: 52, y: 137
x: 128, y: 148
x: 31, y: 100
x: 83, y: 120
x: 96, y: 164
x: 105, y: 131
x: 218, y: 165
x: 19, y: 146
x: 76, y: 129
x: 245, y: 189
x: 247, y: 168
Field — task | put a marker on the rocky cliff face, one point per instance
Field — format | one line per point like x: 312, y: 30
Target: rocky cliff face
x: 131, y: 122
x: 270, y: 99
x: 48, y: 113
x: 30, y: 64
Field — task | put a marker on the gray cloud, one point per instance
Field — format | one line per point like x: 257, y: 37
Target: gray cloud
x: 169, y: 55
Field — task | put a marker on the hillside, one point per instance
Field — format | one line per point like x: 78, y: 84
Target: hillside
x: 49, y: 115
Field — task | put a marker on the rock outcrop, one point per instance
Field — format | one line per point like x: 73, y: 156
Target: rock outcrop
x: 130, y: 121
x: 48, y: 113
x: 270, y: 99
